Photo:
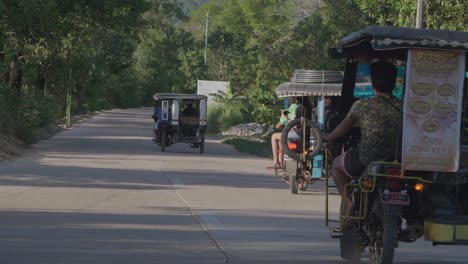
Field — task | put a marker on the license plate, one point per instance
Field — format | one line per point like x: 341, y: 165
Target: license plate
x: 397, y: 198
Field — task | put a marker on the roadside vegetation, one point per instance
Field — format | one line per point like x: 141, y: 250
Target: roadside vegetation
x: 118, y: 53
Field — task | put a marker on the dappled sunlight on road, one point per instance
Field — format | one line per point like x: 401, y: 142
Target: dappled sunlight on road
x: 103, y: 192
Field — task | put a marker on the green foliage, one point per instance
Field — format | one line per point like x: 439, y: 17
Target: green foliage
x: 228, y: 97
x: 34, y: 112
x: 122, y: 52
x: 223, y: 116
x: 438, y: 14
x: 47, y: 45
x: 7, y: 108
x: 214, y: 112
x: 231, y: 116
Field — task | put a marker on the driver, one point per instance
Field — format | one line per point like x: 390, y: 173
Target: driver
x: 380, y: 120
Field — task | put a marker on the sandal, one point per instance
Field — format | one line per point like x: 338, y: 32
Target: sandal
x: 273, y: 166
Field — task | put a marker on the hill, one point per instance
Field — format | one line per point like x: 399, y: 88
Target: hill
x: 190, y: 5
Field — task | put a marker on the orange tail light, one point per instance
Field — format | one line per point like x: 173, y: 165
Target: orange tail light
x: 292, y: 146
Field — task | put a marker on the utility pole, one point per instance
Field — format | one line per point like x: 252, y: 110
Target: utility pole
x: 419, y: 14
x: 206, y: 36
x: 69, y: 98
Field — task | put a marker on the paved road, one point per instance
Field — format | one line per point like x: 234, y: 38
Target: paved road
x: 103, y: 193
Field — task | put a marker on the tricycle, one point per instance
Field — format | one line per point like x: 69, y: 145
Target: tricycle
x: 180, y: 118
x: 303, y: 159
x: 423, y: 192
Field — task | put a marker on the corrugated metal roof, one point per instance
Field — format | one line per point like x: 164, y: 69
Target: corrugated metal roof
x: 308, y: 89
x: 386, y: 38
x: 169, y: 96
x: 311, y: 76
x: 314, y: 83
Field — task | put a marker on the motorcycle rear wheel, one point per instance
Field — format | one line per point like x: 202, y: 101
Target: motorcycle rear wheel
x: 382, y: 249
x: 350, y: 246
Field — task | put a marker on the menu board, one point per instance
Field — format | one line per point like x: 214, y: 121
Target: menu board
x: 432, y: 110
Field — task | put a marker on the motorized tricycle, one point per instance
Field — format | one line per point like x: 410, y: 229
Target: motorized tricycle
x: 320, y: 92
x: 424, y: 191
x: 180, y: 118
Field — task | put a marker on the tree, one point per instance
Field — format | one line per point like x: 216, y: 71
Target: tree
x: 439, y: 14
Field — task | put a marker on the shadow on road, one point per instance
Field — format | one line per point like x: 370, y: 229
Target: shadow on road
x: 43, y: 175
x: 75, y: 237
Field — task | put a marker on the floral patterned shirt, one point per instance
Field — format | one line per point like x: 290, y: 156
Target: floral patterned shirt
x: 380, y: 127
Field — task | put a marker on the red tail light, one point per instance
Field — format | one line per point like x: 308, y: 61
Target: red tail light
x: 394, y: 184
x: 394, y: 172
x: 292, y: 146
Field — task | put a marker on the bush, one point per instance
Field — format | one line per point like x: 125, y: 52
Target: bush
x: 231, y: 116
x: 34, y: 112
x: 214, y: 112
x: 223, y: 116
x: 7, y: 110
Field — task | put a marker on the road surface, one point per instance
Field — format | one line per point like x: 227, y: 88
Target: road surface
x: 104, y: 193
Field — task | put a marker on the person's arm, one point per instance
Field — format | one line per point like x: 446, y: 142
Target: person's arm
x: 283, y: 121
x: 341, y: 130
x: 346, y: 125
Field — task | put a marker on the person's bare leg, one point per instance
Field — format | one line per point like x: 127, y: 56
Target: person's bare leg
x: 275, y: 147
x: 341, y: 179
x: 280, y: 153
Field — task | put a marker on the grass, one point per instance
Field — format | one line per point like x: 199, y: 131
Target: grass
x: 253, y: 147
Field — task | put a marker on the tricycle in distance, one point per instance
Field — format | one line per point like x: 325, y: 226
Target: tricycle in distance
x: 180, y: 118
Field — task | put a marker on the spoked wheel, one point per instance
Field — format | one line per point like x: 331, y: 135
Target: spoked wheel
x: 384, y: 242
x: 375, y: 249
x: 293, y: 139
x: 351, y: 239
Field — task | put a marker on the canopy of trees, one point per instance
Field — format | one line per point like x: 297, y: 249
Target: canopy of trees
x: 117, y: 53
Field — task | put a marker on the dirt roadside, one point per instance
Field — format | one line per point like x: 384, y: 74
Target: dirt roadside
x: 11, y: 147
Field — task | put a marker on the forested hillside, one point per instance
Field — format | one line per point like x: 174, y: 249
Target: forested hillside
x: 189, y: 5
x: 118, y: 53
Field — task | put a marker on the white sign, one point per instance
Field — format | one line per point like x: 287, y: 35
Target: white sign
x: 433, y: 110
x: 209, y: 87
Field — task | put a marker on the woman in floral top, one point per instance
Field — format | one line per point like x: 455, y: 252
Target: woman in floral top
x: 380, y: 120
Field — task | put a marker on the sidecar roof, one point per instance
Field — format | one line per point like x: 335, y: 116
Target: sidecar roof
x: 398, y: 39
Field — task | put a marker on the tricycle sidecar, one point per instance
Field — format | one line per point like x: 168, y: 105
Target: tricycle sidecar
x: 180, y: 118
x: 301, y: 165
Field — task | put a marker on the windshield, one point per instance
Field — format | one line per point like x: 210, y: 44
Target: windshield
x: 363, y: 88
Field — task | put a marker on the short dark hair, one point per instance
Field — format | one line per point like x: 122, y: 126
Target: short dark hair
x: 383, y: 76
x: 297, y: 99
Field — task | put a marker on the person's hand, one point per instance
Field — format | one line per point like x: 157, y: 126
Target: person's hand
x: 279, y: 125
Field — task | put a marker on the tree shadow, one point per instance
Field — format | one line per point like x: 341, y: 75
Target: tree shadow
x: 79, y: 237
